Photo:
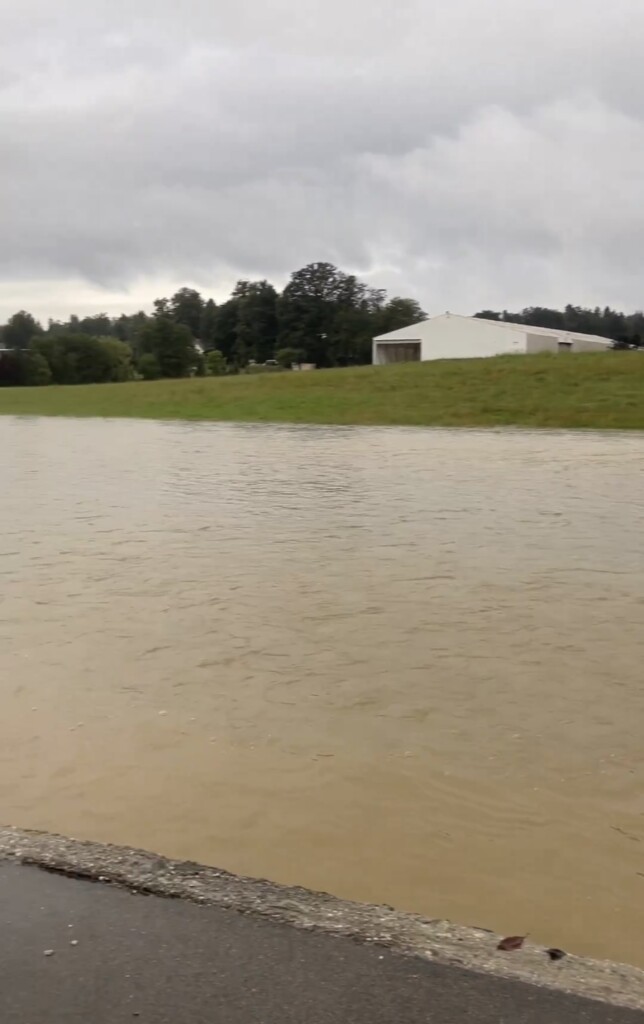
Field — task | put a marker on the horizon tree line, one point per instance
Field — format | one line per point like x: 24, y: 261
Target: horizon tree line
x: 323, y: 316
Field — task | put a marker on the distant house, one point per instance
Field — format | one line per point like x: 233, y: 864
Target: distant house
x: 466, y: 337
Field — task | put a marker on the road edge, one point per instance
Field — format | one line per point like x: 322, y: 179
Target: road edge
x: 408, y: 934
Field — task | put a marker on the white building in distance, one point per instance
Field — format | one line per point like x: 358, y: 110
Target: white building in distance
x: 467, y: 337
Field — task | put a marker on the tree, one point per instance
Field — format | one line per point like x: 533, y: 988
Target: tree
x: 225, y: 331
x: 613, y: 324
x: 487, y: 314
x: 350, y: 340
x: 396, y: 313
x: 52, y: 349
x: 20, y: 329
x: 12, y: 369
x: 171, y: 344
x: 127, y: 328
x: 120, y: 356
x: 37, y: 372
x: 578, y: 319
x: 288, y: 357
x: 22, y: 367
x: 72, y: 326
x: 215, y: 363
x: 98, y: 326
x: 162, y: 307
x: 306, y: 310
x: 81, y: 359
x: 256, y: 327
x: 186, y: 307
x: 541, y: 316
x: 309, y: 313
x: 635, y: 326
x: 148, y: 367
x: 208, y: 325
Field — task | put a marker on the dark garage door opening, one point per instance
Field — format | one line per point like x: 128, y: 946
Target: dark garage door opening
x: 397, y: 352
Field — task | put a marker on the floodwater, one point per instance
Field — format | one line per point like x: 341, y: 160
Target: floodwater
x: 403, y: 666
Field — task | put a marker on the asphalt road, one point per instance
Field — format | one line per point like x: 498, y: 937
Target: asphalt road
x: 163, y: 961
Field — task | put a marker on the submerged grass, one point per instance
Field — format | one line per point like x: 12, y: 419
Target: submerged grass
x: 602, y: 391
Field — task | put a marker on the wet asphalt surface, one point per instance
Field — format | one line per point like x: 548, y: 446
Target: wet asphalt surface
x: 118, y: 956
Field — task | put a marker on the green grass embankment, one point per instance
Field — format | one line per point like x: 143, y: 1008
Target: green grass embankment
x: 603, y: 391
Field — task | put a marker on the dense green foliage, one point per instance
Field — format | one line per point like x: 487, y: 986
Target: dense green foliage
x: 599, y: 390
x: 19, y: 330
x: 171, y: 346
x: 82, y: 358
x: 323, y: 316
x: 59, y: 358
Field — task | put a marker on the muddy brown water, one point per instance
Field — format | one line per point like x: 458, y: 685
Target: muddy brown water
x: 402, y: 666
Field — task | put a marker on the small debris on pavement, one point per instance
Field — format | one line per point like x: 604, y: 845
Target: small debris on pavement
x: 49, y: 952
x: 556, y: 954
x: 74, y: 942
x: 511, y: 943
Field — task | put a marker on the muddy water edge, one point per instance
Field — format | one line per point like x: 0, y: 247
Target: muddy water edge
x: 402, y: 666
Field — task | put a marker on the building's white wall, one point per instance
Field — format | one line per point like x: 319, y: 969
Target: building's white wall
x: 456, y: 337
x: 541, y: 343
x: 585, y: 345
x: 452, y: 337
x: 545, y: 343
x: 460, y: 337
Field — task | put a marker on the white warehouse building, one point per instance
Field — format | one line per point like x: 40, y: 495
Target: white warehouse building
x: 466, y: 337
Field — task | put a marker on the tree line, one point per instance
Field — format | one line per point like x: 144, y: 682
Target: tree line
x: 323, y: 316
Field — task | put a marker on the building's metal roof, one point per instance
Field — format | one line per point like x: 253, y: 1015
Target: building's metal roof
x: 415, y: 332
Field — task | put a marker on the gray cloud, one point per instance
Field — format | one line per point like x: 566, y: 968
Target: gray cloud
x: 471, y: 154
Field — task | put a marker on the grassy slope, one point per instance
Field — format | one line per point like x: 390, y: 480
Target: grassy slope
x: 597, y: 390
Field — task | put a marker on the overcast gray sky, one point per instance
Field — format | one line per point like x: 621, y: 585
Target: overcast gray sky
x: 469, y: 153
